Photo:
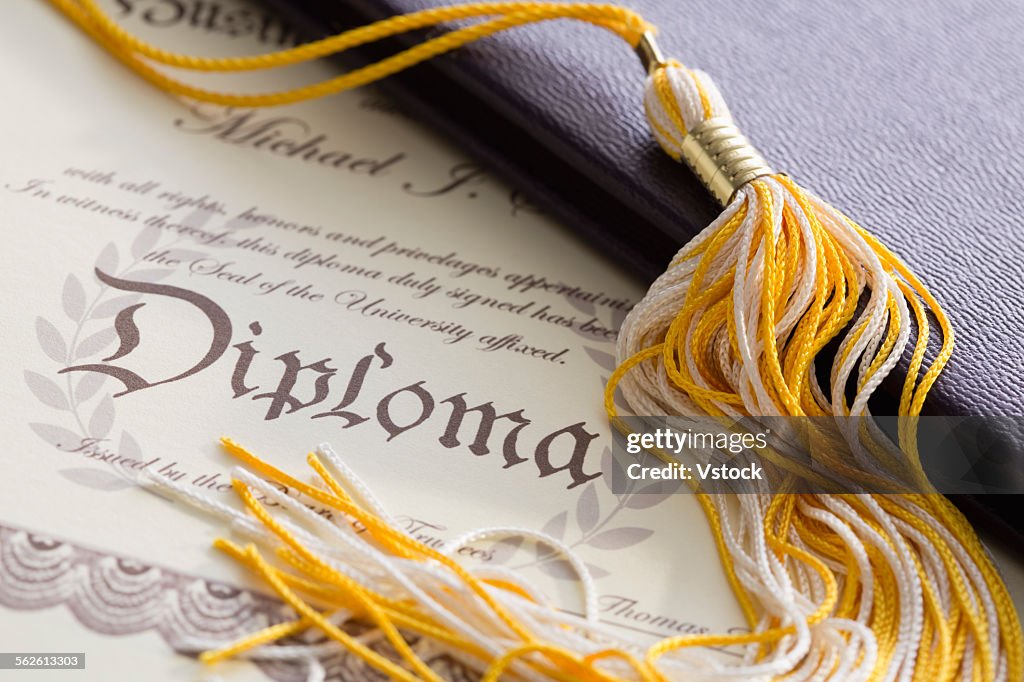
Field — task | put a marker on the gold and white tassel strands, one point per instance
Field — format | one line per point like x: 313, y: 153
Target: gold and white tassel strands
x: 834, y: 586
x: 735, y: 327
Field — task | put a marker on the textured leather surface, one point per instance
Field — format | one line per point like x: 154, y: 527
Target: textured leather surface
x: 905, y: 115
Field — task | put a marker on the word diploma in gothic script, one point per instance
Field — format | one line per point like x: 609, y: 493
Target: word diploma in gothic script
x: 325, y: 272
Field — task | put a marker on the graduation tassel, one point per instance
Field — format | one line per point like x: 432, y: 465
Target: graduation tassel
x: 736, y: 326
x: 834, y: 586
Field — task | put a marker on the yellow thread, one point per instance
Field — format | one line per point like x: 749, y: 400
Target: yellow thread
x: 131, y: 51
x: 705, y: 103
x: 375, y: 525
x: 365, y: 600
x: 668, y: 100
x: 622, y: 21
x: 363, y: 652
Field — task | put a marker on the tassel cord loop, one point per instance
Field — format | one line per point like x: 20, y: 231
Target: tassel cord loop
x: 134, y: 52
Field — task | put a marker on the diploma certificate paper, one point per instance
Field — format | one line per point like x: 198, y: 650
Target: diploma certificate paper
x: 324, y: 272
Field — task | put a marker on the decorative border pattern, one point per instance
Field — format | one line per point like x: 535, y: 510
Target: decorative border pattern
x: 116, y: 595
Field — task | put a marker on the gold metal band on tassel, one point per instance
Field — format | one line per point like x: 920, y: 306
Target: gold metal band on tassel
x: 650, y: 54
x: 722, y: 157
